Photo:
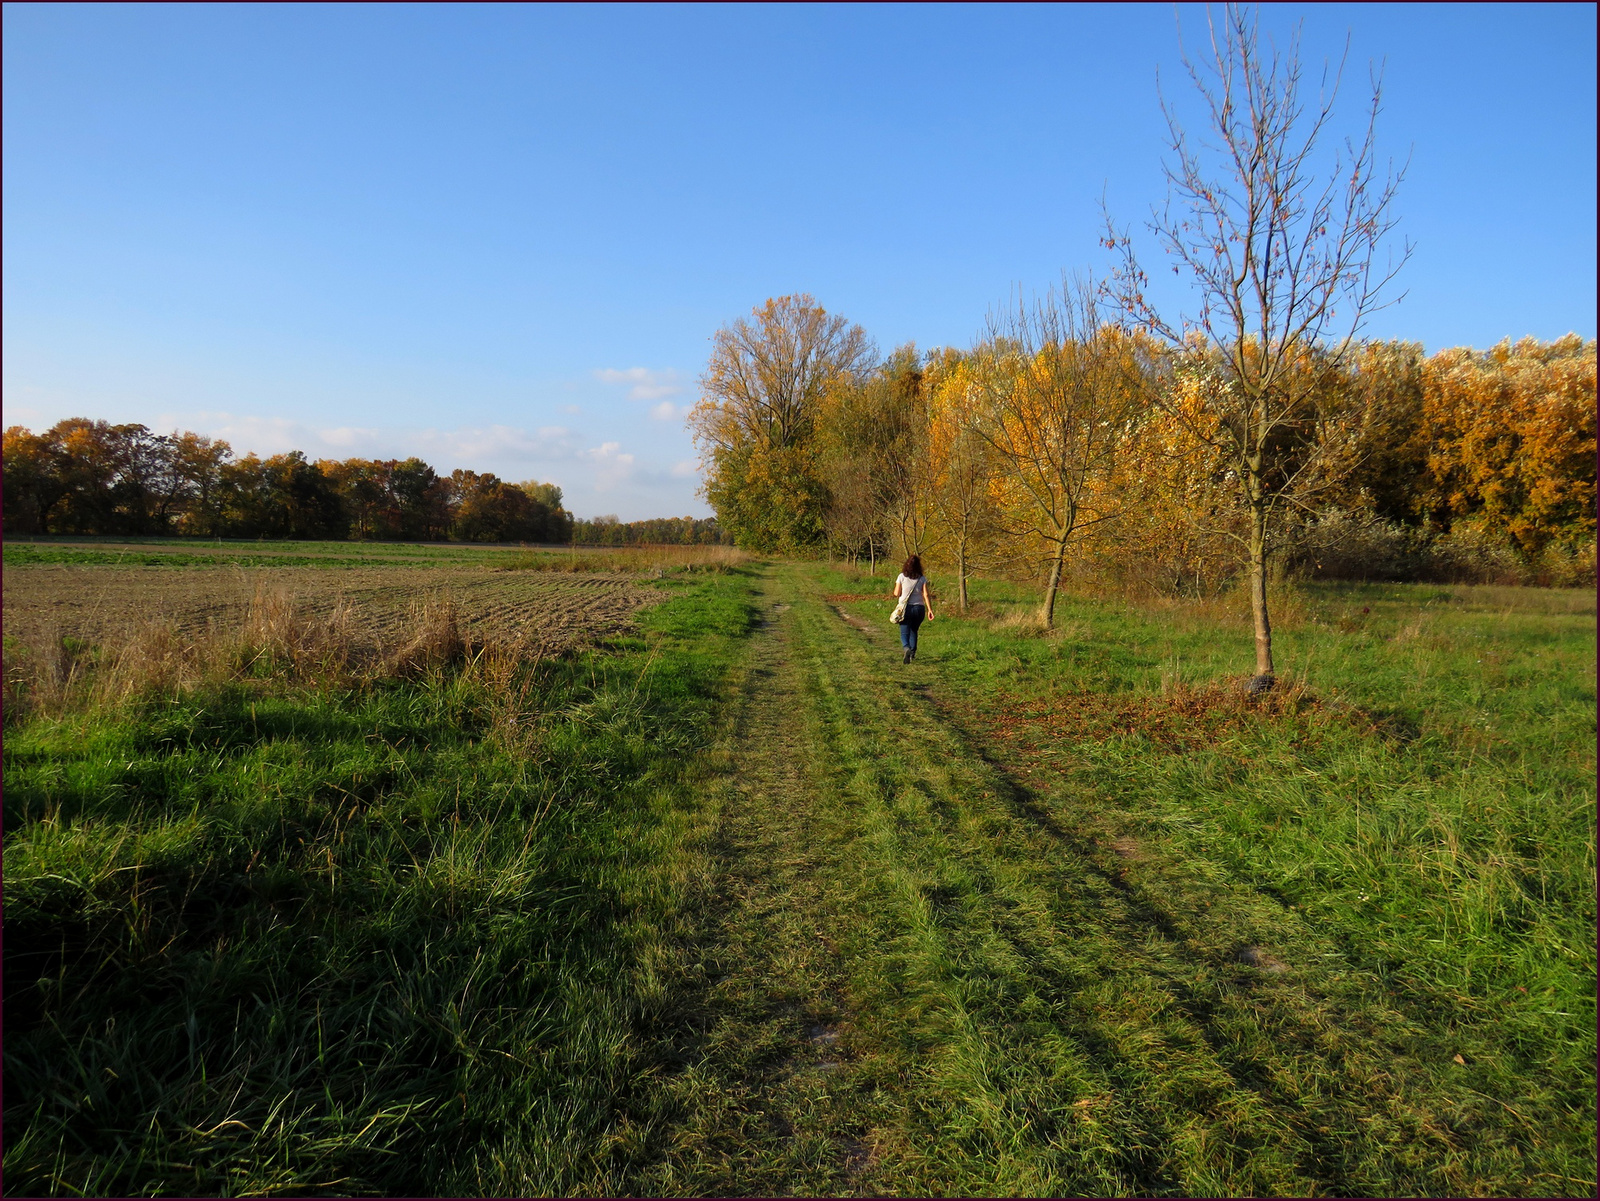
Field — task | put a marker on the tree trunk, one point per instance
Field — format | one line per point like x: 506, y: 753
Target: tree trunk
x: 1258, y: 589
x: 961, y: 572
x: 1055, y: 581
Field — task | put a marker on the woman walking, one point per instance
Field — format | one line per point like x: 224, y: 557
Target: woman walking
x: 913, y: 585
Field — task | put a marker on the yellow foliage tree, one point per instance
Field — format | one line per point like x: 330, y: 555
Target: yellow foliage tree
x: 1060, y: 398
x: 960, y: 467
x: 756, y: 419
x: 1511, y: 435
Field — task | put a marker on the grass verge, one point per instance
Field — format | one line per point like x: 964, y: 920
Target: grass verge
x: 370, y: 934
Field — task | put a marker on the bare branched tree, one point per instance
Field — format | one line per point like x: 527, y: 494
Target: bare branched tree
x: 1280, y: 238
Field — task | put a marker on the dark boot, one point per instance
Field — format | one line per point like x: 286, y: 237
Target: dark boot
x: 907, y: 659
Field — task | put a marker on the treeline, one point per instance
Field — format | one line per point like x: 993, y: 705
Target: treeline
x: 606, y: 530
x: 1063, y: 443
x: 91, y: 477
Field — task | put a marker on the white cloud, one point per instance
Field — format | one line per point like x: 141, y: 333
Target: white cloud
x: 27, y: 416
x: 249, y: 434
x: 347, y: 436
x: 645, y: 384
x: 496, y: 443
x: 612, y: 465
x: 667, y: 411
x: 685, y: 469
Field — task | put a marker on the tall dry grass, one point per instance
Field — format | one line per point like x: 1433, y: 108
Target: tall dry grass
x: 280, y: 640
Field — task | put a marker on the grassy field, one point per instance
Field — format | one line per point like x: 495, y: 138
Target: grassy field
x: 317, y: 925
x: 1367, y: 908
x: 190, y: 552
x: 727, y: 900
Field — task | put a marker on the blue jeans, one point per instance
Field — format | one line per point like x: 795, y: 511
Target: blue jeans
x: 908, y: 627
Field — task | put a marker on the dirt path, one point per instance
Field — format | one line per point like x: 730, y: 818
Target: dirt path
x: 760, y: 1031
x: 914, y: 973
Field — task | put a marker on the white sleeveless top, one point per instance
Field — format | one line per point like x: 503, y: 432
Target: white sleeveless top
x: 913, y: 589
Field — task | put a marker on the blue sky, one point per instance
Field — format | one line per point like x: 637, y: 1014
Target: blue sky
x: 500, y: 237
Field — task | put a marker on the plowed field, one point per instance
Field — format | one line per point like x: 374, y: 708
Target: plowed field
x: 101, y: 602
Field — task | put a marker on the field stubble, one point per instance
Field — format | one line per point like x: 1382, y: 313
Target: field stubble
x: 112, y: 631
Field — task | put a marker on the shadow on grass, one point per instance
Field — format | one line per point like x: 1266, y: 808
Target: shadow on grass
x: 1210, y: 1009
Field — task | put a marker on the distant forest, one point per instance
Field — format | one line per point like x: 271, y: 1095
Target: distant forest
x: 92, y: 477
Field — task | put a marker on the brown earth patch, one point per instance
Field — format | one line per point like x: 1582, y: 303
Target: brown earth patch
x: 851, y: 619
x: 1261, y: 960
x: 377, y: 604
x: 1178, y: 719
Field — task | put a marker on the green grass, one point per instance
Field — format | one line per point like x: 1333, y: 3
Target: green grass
x: 269, y: 940
x: 1411, y: 836
x: 742, y: 905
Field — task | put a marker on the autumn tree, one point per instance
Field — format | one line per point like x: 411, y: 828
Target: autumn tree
x: 1280, y: 240
x: 89, y: 455
x: 870, y: 453
x: 486, y: 508
x: 91, y: 477
x: 283, y: 496
x: 653, y: 531
x: 1511, y: 440
x: 362, y: 486
x: 1060, y: 398
x: 105, y: 472
x: 417, y: 500
x: 555, y: 523
x: 908, y: 497
x: 756, y: 419
x: 34, y: 482
x: 187, y: 481
x: 1176, y: 514
x: 960, y: 468
x: 1375, y: 459
x: 853, y: 518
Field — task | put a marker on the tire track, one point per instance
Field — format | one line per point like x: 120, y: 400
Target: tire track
x: 761, y: 1034
x: 1159, y: 1020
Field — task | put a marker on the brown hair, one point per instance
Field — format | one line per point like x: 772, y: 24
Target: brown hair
x: 912, y: 567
